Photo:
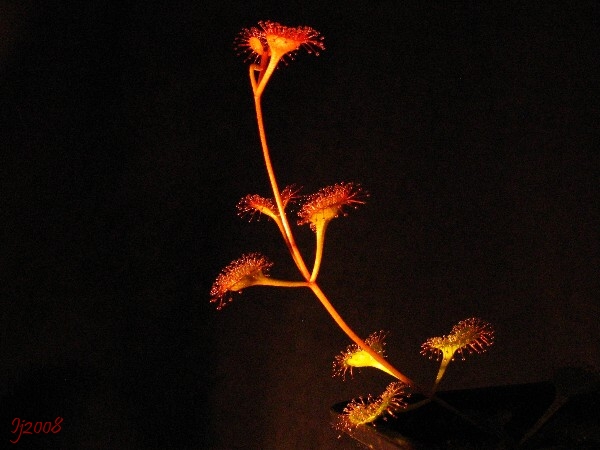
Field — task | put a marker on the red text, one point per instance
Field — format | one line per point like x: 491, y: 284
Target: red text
x: 25, y: 427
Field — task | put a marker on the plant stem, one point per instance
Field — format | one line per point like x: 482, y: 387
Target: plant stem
x: 268, y: 281
x: 442, y: 370
x: 265, y: 74
x: 287, y: 232
x: 258, y: 88
x: 558, y: 403
x: 320, y: 231
x: 354, y: 337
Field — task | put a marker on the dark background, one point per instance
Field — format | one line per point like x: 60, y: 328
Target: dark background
x: 127, y: 136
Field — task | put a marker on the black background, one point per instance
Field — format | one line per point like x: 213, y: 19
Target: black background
x: 128, y: 135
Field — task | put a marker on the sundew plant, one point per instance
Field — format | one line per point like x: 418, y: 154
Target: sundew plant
x: 266, y: 46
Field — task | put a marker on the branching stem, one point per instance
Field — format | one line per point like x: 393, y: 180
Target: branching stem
x: 258, y: 87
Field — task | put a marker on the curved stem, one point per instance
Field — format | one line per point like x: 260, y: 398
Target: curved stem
x: 417, y: 405
x: 266, y: 74
x: 253, y: 82
x: 357, y: 340
x: 442, y: 370
x: 282, y: 231
x: 558, y: 403
x: 258, y: 88
x: 287, y: 232
x: 320, y: 231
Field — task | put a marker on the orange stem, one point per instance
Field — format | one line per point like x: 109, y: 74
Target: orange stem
x: 320, y: 231
x: 287, y: 231
x: 258, y: 88
x: 354, y: 337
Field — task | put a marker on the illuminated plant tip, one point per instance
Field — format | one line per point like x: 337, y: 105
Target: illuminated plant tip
x: 248, y: 270
x: 473, y: 335
x: 329, y: 202
x: 354, y: 356
x: 251, y: 43
x: 284, y: 40
x: 360, y: 412
x: 276, y: 40
x: 253, y: 204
